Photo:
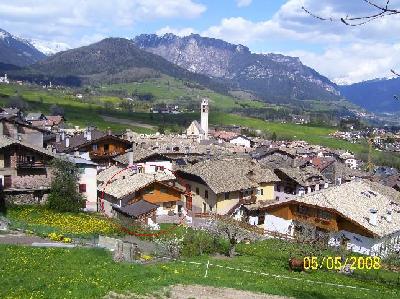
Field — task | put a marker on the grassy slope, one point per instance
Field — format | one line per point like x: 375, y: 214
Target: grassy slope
x: 84, y: 113
x: 168, y: 90
x: 90, y: 273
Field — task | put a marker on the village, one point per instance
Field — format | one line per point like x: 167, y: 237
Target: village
x: 278, y: 188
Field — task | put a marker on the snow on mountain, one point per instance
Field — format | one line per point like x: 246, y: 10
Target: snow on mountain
x: 49, y: 47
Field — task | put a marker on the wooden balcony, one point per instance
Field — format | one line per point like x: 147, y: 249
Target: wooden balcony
x: 24, y: 164
x: 102, y: 154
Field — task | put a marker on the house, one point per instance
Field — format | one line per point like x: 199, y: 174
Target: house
x: 274, y: 157
x: 16, y: 128
x: 299, y: 181
x: 79, y: 96
x: 125, y: 187
x: 220, y: 185
x: 144, y: 160
x: 357, y: 215
x: 25, y: 174
x: 48, y: 123
x: 348, y: 158
x: 224, y: 136
x: 140, y: 211
x: 242, y: 140
x: 94, y: 145
x: 87, y: 180
x: 35, y: 116
x: 4, y: 79
x: 10, y: 112
x: 337, y: 172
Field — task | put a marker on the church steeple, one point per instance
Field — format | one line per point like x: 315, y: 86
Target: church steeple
x: 204, y: 117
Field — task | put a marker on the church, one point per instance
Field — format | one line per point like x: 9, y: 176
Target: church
x: 198, y: 131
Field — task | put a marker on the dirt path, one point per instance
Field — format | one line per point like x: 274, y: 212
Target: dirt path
x: 125, y: 121
x: 197, y: 292
x: 18, y: 238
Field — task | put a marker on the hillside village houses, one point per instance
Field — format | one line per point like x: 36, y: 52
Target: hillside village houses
x: 371, y: 226
x: 273, y: 185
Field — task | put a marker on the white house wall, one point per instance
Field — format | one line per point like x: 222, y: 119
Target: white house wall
x: 241, y: 141
x: 365, y: 245
x: 89, y: 178
x: 277, y: 224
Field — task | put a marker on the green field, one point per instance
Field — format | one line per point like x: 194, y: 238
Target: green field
x: 172, y: 91
x: 89, y: 111
x: 28, y: 272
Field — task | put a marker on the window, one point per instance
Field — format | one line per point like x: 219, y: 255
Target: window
x: 94, y: 146
x: 197, y: 191
x: 168, y: 205
x: 302, y: 210
x: 82, y: 188
x: 149, y: 190
x: 163, y: 190
x: 324, y: 215
x: 205, y: 193
x: 261, y: 191
x: 188, y: 188
x: 226, y: 195
x: 159, y: 168
x: 106, y: 147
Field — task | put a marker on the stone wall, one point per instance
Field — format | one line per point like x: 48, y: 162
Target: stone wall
x: 33, y: 198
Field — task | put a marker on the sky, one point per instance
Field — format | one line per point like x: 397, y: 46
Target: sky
x: 342, y: 53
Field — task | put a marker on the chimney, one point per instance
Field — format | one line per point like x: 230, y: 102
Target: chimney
x: 373, y: 217
x: 109, y: 132
x: 389, y: 216
x: 130, y: 154
x: 339, y: 181
x: 89, y: 135
x: 67, y: 142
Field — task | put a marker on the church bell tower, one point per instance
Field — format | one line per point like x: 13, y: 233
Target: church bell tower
x: 204, y: 117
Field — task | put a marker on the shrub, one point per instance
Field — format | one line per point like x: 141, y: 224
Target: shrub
x: 64, y: 195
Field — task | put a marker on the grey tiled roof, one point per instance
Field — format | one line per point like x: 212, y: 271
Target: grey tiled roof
x: 354, y: 201
x: 137, y: 209
x: 225, y: 175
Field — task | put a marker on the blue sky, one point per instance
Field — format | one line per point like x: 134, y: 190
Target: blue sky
x: 343, y: 54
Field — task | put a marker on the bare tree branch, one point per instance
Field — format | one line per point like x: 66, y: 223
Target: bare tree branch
x: 383, y: 11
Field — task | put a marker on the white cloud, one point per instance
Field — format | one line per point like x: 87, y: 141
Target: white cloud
x: 243, y: 3
x: 351, y: 53
x: 354, y: 63
x: 177, y: 31
x: 65, y: 20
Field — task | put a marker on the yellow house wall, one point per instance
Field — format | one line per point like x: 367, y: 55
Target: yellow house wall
x: 224, y: 205
x: 268, y: 191
x: 217, y: 202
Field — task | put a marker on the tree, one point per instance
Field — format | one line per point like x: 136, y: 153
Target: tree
x: 18, y: 102
x: 233, y: 230
x: 56, y: 110
x: 64, y: 195
x: 381, y: 11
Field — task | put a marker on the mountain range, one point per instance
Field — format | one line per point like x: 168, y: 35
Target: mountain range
x: 208, y: 62
x: 379, y: 95
x: 17, y: 51
x: 271, y: 77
